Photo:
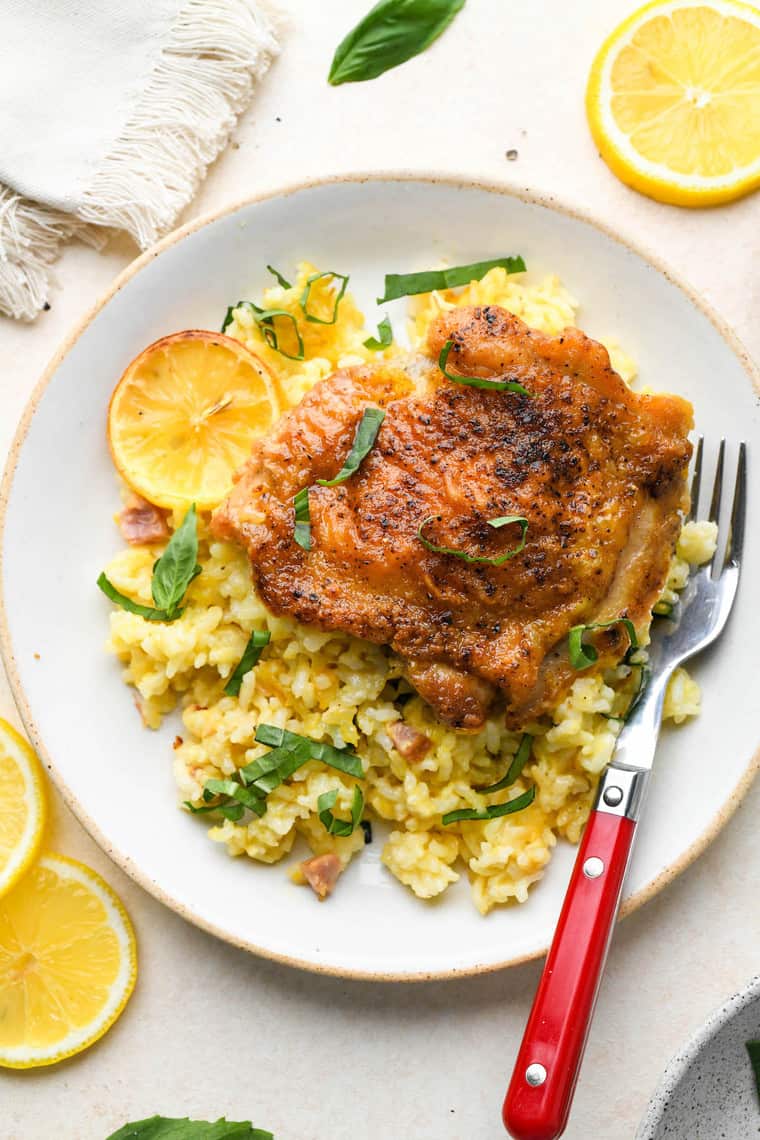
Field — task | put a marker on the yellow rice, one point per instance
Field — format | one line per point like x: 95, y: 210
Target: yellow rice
x: 336, y: 687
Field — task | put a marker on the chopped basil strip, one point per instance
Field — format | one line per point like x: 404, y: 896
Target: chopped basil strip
x: 366, y: 827
x: 344, y: 759
x: 519, y: 760
x: 384, y: 336
x: 366, y: 434
x: 262, y: 776
x: 232, y: 811
x: 645, y: 675
x: 494, y: 811
x: 177, y: 566
x: 338, y: 296
x: 258, y: 639
x: 302, y: 529
x: 250, y: 786
x: 172, y: 1128
x: 265, y: 319
x: 331, y: 823
x: 172, y: 574
x: 581, y: 655
x: 495, y: 523
x: 753, y: 1048
x: 477, y: 381
x: 237, y: 797
x: 279, y: 277
x: 409, y: 284
x: 391, y: 33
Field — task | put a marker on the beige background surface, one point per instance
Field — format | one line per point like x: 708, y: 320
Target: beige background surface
x: 211, y: 1030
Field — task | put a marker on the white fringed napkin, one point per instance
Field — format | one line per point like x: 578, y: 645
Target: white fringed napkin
x: 110, y: 112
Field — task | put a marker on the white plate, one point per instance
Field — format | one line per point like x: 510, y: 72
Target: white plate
x: 60, y: 492
x: 708, y: 1089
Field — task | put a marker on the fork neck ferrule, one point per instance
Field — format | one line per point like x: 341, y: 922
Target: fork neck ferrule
x: 621, y: 791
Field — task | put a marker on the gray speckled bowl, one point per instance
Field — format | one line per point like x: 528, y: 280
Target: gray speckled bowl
x: 708, y: 1089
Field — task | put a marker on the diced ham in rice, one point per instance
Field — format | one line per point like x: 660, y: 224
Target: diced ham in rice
x: 141, y: 522
x: 321, y: 873
x: 412, y: 744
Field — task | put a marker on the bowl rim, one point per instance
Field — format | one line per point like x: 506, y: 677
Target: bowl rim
x: 680, y: 1063
x: 430, y: 177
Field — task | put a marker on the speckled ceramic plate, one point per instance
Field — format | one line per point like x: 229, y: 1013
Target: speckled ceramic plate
x: 59, y: 494
x: 708, y: 1090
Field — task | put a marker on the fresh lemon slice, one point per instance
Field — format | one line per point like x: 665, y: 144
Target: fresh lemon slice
x: 673, y: 101
x: 184, y: 414
x: 67, y: 963
x: 22, y: 806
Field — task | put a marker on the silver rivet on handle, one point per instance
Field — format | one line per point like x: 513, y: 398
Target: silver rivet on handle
x: 612, y: 796
x: 535, y: 1074
x: 593, y: 867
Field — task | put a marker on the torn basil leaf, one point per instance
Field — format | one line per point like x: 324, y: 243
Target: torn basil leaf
x: 332, y: 824
x: 582, y: 655
x: 495, y: 523
x: 364, y: 439
x: 258, y: 639
x: 495, y: 811
x: 477, y: 381
x: 410, y: 284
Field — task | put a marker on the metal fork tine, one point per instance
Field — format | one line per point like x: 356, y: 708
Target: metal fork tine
x: 735, y: 540
x: 718, y: 484
x: 696, y: 480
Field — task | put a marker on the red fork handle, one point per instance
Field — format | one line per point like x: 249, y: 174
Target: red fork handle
x: 536, y: 1107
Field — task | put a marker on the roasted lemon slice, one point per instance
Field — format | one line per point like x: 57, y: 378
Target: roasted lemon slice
x: 184, y: 414
x: 22, y: 806
x: 673, y: 101
x: 67, y: 963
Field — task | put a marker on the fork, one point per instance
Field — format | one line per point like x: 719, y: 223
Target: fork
x: 537, y: 1104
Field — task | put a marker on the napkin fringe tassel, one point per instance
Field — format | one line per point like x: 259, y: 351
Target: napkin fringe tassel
x: 203, y: 78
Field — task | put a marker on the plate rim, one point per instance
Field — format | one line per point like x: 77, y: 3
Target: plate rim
x: 463, y: 180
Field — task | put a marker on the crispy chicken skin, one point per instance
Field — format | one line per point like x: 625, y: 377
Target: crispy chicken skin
x: 598, y: 471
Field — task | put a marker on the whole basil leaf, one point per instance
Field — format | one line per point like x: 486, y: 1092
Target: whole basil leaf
x: 146, y: 612
x: 391, y: 33
x: 177, y: 566
x: 166, y: 1128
